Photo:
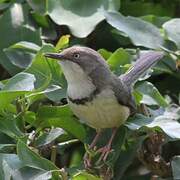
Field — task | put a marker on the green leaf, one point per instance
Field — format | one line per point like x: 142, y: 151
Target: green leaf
x: 29, y: 46
x: 47, y: 138
x: 9, y: 127
x: 175, y: 163
x: 168, y: 122
x: 140, y: 32
x: 80, y: 16
x: 21, y: 54
x: 150, y: 94
x: 126, y: 157
x: 38, y: 5
x: 4, y: 6
x: 41, y: 20
x: 82, y: 175
x: 14, y: 30
x: 156, y: 20
x: 172, y: 29
x: 6, y: 97
x: 63, y: 42
x: 18, y: 85
x: 62, y: 117
x: 9, y: 164
x: 140, y: 8
x: 20, y: 82
x: 104, y: 53
x: 46, y: 71
x: 31, y: 159
x: 7, y: 148
x: 119, y: 58
x: 29, y: 173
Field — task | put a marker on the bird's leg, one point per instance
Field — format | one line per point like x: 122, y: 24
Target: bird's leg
x: 107, y: 148
x: 87, y: 160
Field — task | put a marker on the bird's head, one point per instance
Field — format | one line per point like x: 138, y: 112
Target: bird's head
x: 77, y: 61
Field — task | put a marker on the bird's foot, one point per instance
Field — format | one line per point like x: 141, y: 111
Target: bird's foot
x: 87, y: 161
x: 105, y: 151
x: 88, y: 157
x: 90, y: 151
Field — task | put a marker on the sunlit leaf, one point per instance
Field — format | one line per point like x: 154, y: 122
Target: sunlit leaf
x: 80, y: 16
x: 140, y: 32
x: 63, y: 42
x: 168, y: 122
x: 172, y: 28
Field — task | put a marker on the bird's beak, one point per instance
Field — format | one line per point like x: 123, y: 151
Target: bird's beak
x: 57, y: 56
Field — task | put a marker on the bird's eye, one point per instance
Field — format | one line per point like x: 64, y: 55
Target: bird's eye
x: 76, y: 55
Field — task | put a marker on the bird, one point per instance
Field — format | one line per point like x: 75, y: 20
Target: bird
x: 96, y: 95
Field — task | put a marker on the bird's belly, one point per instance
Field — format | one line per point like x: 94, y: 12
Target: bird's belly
x: 102, y: 112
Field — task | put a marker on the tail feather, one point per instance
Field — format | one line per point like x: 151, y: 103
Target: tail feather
x: 141, y: 65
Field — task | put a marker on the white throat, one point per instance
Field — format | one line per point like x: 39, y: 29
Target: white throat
x: 79, y: 84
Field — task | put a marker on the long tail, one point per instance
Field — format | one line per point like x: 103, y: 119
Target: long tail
x: 141, y: 65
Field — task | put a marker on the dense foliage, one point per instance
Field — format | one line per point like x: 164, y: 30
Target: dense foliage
x: 40, y: 138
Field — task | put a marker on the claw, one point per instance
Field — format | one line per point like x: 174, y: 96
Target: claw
x: 87, y: 157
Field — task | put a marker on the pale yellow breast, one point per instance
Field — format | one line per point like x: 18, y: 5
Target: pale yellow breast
x: 103, y: 112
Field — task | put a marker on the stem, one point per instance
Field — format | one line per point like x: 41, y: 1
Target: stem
x: 53, y: 154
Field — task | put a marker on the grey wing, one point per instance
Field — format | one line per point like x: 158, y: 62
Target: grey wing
x: 123, y: 94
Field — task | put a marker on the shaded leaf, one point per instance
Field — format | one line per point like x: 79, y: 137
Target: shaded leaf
x: 127, y: 155
x: 31, y: 159
x: 9, y: 127
x: 16, y: 29
x: 62, y: 117
x: 38, y: 5
x: 175, y: 163
x: 47, y: 138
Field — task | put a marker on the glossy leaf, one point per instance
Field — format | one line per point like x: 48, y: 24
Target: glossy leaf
x: 21, y: 53
x: 168, y: 122
x: 150, y: 94
x: 172, y: 28
x: 140, y: 32
x: 9, y: 163
x: 20, y: 82
x: 31, y: 174
x: 80, y: 16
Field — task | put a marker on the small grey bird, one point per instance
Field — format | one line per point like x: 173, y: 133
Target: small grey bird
x: 97, y: 96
